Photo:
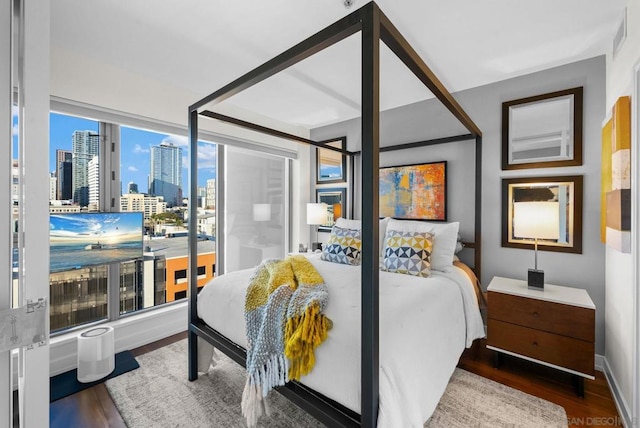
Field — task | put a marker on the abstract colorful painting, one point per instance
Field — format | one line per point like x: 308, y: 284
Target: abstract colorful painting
x: 416, y: 192
x: 615, y: 197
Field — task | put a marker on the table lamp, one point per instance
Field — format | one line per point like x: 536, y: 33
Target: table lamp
x: 536, y: 220
x: 316, y: 216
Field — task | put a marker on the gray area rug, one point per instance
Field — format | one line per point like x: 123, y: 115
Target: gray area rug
x: 158, y: 394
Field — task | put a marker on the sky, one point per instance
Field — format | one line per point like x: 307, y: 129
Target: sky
x: 135, y: 150
x: 93, y: 224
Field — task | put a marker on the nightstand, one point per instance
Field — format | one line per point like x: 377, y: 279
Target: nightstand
x: 554, y: 326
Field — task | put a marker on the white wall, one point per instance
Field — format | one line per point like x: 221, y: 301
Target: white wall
x: 427, y: 119
x: 620, y: 317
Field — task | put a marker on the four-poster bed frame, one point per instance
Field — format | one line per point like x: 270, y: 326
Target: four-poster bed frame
x: 375, y: 26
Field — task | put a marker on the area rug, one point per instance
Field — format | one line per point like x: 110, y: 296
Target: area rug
x: 158, y: 394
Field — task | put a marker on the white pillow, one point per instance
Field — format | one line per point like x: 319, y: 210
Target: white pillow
x: 445, y: 237
x: 348, y: 224
x: 357, y: 224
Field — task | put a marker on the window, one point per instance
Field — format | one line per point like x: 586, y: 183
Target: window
x: 108, y: 167
x: 180, y: 274
x: 78, y: 296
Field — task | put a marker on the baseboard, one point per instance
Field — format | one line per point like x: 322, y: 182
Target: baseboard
x: 621, y: 404
x: 129, y: 333
x: 599, y: 362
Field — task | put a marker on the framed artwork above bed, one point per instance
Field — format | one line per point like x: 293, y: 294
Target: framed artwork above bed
x: 414, y: 192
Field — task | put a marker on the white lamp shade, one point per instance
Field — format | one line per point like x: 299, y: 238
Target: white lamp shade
x: 317, y: 213
x: 536, y: 220
x: 261, y: 212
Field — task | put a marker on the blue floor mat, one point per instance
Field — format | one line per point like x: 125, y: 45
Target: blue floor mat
x: 67, y: 383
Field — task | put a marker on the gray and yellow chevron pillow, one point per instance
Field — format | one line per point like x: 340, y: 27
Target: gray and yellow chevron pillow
x: 344, y: 246
x: 407, y: 252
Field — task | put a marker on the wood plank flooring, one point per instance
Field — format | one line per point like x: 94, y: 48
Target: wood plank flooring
x: 93, y: 407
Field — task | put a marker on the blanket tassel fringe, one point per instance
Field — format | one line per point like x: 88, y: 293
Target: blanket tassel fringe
x: 258, y: 386
x: 303, y: 335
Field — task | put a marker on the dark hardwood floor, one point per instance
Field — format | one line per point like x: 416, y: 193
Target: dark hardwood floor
x: 93, y: 407
x: 597, y: 408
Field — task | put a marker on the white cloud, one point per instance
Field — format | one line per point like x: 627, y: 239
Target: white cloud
x: 132, y: 169
x: 176, y: 140
x: 207, y: 154
x: 14, y: 130
x: 138, y: 149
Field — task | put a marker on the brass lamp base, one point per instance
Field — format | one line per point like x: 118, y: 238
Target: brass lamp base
x: 535, y: 279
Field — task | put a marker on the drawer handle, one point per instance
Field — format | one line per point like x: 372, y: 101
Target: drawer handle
x: 535, y: 315
x: 535, y: 343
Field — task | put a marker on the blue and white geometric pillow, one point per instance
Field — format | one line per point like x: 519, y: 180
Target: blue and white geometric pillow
x: 344, y: 246
x: 408, y: 252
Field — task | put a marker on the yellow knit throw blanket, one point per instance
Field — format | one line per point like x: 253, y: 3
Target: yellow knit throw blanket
x: 285, y: 323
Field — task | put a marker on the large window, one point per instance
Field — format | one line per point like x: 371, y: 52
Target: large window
x: 97, y: 167
x: 108, y: 167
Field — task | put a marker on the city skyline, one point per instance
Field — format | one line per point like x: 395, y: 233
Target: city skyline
x: 135, y: 151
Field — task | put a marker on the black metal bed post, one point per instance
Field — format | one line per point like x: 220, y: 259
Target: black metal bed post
x: 370, y: 284
x: 193, y: 243
x: 477, y: 252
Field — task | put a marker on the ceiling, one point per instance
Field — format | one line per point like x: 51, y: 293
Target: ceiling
x: 201, y: 45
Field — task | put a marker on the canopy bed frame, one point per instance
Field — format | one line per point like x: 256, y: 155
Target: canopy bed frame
x: 375, y: 27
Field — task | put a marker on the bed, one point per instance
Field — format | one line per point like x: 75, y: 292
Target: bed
x: 371, y: 398
x: 434, y: 318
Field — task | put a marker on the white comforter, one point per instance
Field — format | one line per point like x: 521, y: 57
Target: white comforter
x: 425, y: 323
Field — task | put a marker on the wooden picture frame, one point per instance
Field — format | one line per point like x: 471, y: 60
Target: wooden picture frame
x: 543, y: 131
x: 336, y: 199
x: 331, y: 167
x: 414, y: 192
x: 567, y: 190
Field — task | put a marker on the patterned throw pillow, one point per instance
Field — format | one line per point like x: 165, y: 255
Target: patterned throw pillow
x: 408, y: 252
x: 343, y: 247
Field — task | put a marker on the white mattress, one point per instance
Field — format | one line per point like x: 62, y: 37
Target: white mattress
x: 425, y: 323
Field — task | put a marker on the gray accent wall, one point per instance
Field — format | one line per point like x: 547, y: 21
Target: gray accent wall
x: 428, y: 119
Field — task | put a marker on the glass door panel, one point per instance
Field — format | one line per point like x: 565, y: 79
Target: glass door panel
x: 255, y: 216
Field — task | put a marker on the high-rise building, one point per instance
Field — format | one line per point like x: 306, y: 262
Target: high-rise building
x: 53, y: 186
x: 93, y: 180
x: 64, y: 175
x: 132, y: 188
x: 166, y: 173
x: 84, y: 146
x: 211, y: 194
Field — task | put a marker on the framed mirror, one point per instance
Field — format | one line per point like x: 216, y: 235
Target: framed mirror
x: 331, y: 167
x: 336, y: 199
x: 543, y: 131
x: 564, y: 193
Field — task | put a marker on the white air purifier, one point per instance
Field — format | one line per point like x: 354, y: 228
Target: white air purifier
x: 96, y: 357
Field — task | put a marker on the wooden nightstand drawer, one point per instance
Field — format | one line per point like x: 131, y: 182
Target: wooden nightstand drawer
x: 562, y: 351
x: 567, y: 320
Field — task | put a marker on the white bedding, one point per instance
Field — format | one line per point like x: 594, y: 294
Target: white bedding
x: 425, y: 323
